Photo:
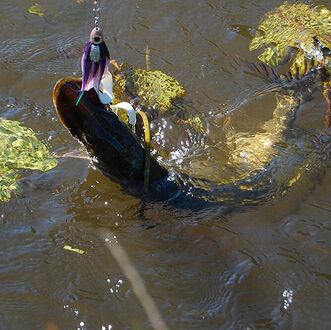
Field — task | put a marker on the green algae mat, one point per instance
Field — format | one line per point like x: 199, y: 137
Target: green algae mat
x: 19, y: 149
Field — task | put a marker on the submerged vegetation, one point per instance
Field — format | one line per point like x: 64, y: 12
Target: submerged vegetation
x: 301, y: 29
x: 20, y: 149
x: 293, y: 26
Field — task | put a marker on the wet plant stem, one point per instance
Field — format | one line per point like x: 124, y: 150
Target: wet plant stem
x: 134, y: 279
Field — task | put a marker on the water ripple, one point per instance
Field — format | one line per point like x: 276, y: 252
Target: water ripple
x: 58, y: 54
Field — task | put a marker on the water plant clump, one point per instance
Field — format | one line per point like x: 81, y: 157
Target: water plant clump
x: 304, y: 29
x: 292, y: 26
x: 153, y: 88
x: 20, y: 149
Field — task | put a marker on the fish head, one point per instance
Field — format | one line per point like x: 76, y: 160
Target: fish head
x: 113, y: 148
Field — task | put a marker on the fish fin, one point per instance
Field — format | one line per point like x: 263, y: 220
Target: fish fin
x: 291, y: 79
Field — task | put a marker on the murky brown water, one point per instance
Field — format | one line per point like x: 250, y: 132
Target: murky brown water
x: 261, y: 267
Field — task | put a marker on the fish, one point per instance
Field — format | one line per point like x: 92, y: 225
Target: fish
x: 111, y: 145
x: 116, y: 151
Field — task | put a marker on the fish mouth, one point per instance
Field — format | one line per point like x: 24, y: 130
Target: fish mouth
x: 113, y: 148
x: 64, y: 93
x: 73, y: 116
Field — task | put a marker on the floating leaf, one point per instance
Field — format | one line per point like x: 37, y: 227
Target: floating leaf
x: 19, y: 148
x: 67, y: 247
x: 37, y: 10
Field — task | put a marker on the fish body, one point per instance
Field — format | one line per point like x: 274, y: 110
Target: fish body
x: 117, y: 152
x: 111, y: 145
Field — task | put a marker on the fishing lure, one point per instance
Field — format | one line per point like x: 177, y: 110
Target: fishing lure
x: 95, y: 61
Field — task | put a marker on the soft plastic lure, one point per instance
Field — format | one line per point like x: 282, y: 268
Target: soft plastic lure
x: 95, y: 61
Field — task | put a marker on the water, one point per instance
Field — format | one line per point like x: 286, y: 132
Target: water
x: 266, y: 266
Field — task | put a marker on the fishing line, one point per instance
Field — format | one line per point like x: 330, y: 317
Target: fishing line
x: 96, y: 11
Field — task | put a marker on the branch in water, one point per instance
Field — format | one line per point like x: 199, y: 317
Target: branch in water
x: 327, y: 95
x: 135, y: 280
